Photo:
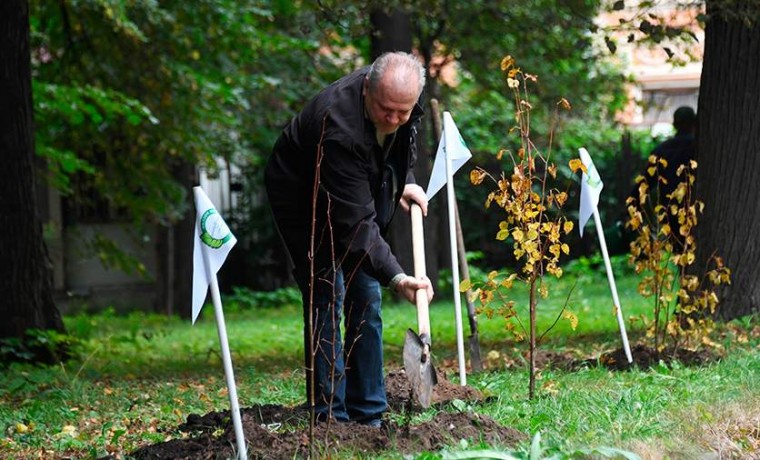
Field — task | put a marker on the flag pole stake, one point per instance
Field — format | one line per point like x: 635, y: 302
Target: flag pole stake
x: 455, y: 265
x: 613, y: 288
x: 227, y: 361
x: 212, y: 234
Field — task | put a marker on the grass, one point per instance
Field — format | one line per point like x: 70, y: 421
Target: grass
x: 139, y: 376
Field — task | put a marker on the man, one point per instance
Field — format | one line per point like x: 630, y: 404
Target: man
x: 677, y: 151
x: 353, y: 146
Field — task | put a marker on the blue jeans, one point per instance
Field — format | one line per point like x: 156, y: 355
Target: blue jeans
x: 347, y: 374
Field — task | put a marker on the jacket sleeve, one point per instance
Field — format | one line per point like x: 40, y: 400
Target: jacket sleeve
x: 346, y: 195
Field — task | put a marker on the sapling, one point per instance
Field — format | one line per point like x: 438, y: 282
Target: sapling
x: 684, y: 303
x: 532, y: 221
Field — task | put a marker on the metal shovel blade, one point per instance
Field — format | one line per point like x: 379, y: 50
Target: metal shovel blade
x: 419, y: 367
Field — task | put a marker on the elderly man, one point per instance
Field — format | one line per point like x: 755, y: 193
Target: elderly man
x: 337, y: 173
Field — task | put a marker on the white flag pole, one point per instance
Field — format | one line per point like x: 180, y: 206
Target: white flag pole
x: 454, y: 261
x: 613, y: 288
x: 227, y: 361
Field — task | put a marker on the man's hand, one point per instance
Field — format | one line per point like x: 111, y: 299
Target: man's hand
x: 413, y: 192
x: 409, y: 285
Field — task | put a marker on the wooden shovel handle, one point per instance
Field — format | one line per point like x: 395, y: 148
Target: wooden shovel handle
x: 418, y: 248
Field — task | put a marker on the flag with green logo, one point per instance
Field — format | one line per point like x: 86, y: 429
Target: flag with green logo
x: 591, y: 188
x: 213, y: 241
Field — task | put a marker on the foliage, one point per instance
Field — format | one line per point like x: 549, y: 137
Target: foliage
x: 445, y: 276
x: 645, y: 24
x: 531, y: 220
x: 664, y: 249
x: 128, y: 94
x: 37, y: 346
x: 586, y: 266
x: 244, y: 298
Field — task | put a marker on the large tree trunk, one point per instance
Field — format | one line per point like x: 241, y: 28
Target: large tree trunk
x: 25, y: 272
x: 729, y: 158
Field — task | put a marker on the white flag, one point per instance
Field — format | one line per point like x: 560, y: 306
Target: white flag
x: 591, y: 188
x: 453, y: 145
x: 213, y: 241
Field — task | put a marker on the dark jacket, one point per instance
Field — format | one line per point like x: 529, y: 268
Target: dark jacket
x: 359, y: 187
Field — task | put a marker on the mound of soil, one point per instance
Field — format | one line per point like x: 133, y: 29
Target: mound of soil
x: 275, y: 432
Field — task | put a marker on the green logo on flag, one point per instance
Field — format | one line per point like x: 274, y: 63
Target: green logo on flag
x: 217, y: 226
x: 592, y: 178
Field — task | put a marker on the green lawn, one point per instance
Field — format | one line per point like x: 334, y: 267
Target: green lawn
x: 139, y: 376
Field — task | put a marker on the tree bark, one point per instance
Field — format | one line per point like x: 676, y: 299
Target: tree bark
x: 25, y: 269
x: 390, y: 32
x: 728, y: 154
x: 174, y: 285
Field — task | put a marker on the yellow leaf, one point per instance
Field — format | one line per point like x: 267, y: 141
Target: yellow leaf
x: 477, y: 176
x: 567, y: 227
x: 518, y: 235
x: 565, y: 248
x: 572, y: 317
x: 576, y: 164
x: 561, y: 198
x: 465, y: 285
x: 651, y: 170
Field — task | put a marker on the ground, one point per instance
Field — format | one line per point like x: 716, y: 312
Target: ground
x: 274, y: 431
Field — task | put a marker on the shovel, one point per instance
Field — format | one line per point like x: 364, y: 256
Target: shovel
x: 417, y: 358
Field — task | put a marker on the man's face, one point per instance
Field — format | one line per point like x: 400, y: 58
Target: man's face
x: 390, y: 104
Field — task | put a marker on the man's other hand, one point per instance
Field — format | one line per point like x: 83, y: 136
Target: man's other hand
x: 409, y: 286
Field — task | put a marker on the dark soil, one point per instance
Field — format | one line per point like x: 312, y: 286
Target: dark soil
x: 645, y: 358
x: 275, y: 432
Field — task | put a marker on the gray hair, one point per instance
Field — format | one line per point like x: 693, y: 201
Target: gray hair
x: 405, y: 63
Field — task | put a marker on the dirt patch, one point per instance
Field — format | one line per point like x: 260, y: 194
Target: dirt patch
x: 278, y: 432
x: 645, y: 357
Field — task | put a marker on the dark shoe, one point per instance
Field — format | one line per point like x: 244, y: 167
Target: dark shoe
x: 374, y: 423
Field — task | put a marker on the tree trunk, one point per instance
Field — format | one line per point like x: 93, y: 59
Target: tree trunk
x: 183, y: 245
x: 25, y: 270
x: 390, y: 32
x: 175, y: 252
x: 728, y: 154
